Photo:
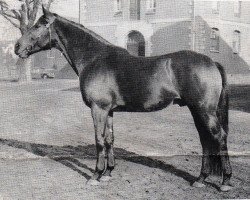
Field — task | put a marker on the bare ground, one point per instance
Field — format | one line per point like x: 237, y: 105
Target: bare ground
x: 47, y: 151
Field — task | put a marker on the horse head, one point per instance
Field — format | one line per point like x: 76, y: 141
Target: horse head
x: 39, y: 37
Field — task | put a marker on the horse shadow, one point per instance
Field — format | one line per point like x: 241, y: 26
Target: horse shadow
x: 68, y: 155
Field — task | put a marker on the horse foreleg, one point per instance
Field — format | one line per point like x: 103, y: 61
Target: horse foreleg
x: 99, y: 116
x: 109, y: 142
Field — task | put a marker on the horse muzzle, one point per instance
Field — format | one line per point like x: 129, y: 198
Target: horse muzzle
x: 23, y: 53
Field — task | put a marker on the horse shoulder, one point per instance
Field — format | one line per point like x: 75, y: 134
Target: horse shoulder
x: 98, y: 85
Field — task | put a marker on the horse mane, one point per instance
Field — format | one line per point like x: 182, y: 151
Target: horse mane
x: 80, y: 26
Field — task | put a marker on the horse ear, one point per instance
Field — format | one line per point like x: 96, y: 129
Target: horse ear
x: 46, y: 12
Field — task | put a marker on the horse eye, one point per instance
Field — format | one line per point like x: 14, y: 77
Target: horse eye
x: 32, y: 37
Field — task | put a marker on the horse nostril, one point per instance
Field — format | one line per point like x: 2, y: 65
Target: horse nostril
x: 17, y: 46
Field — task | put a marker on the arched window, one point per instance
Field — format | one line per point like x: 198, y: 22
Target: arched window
x: 215, y: 40
x: 236, y: 41
x: 136, y: 43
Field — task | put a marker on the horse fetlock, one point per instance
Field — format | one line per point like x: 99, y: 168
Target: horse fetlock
x: 110, y: 168
x: 100, y: 167
x: 111, y: 159
x: 226, y: 178
x: 97, y: 174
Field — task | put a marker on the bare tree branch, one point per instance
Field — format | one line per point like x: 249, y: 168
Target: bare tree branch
x: 3, y: 4
x: 8, y: 14
x: 22, y: 19
x: 23, y: 13
x: 13, y: 23
x: 27, y: 2
x: 16, y: 14
x: 25, y: 17
x: 33, y: 13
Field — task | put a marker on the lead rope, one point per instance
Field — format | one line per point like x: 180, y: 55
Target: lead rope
x: 48, y: 27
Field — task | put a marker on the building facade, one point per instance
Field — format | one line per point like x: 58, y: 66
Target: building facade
x: 222, y: 32
x: 219, y: 29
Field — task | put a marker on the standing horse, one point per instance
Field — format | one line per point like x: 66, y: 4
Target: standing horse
x: 113, y: 80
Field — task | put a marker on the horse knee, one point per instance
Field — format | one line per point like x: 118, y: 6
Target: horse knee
x: 213, y: 125
x: 109, y: 139
x: 215, y: 132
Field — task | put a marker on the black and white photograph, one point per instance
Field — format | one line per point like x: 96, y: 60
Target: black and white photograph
x: 124, y: 99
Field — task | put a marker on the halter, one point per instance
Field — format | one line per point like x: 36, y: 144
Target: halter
x: 48, y: 27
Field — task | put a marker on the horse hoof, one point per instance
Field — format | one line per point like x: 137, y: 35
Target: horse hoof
x: 105, y: 178
x: 198, y: 184
x: 93, y: 182
x: 226, y: 188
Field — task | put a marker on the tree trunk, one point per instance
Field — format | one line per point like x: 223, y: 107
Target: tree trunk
x: 24, y: 69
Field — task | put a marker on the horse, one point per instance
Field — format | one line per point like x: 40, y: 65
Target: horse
x: 112, y: 80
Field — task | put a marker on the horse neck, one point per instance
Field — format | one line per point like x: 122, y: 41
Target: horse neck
x: 78, y: 46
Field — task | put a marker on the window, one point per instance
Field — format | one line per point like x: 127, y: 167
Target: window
x: 236, y: 42
x: 151, y: 5
x: 135, y: 9
x: 118, y: 6
x: 237, y: 8
x: 215, y: 40
x: 51, y: 54
x: 215, y: 7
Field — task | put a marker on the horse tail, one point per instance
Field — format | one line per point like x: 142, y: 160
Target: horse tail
x: 223, y: 106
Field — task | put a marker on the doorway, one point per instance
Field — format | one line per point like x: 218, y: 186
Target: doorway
x: 136, y: 44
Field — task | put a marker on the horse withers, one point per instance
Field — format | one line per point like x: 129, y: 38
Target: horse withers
x: 112, y: 80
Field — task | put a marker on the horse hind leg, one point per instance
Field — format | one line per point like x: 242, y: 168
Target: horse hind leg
x: 109, y: 142
x: 205, y: 168
x: 214, y: 145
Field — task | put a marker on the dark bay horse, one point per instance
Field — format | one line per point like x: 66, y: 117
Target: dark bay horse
x: 113, y: 80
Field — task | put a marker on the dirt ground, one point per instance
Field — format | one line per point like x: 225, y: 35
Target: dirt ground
x: 47, y: 151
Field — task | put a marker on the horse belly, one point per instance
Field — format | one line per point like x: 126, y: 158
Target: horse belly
x: 159, y: 100
x: 162, y: 90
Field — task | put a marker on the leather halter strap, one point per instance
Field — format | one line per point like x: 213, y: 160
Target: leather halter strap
x: 48, y: 27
